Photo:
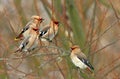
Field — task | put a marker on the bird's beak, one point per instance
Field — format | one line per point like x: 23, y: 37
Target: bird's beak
x: 42, y: 19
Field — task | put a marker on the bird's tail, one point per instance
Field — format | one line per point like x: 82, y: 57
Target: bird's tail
x: 90, y: 70
x: 19, y: 37
x: 18, y: 50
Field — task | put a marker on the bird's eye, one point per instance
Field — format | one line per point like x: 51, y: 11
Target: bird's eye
x: 72, y: 48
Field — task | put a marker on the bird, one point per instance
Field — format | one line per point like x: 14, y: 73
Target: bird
x: 29, y: 43
x: 33, y: 24
x: 79, y: 59
x: 49, y: 31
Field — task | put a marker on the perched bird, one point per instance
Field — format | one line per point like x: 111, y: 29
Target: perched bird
x: 32, y: 25
x: 29, y: 43
x: 49, y: 31
x: 79, y: 59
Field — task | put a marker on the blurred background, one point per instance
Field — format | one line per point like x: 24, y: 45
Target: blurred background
x: 92, y: 24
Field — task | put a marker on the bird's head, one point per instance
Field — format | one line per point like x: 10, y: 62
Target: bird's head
x: 56, y: 23
x: 38, y: 18
x: 75, y: 48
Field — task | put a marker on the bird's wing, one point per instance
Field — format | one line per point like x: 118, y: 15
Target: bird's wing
x: 24, y: 43
x: 44, y: 31
x: 24, y: 29
x: 84, y: 59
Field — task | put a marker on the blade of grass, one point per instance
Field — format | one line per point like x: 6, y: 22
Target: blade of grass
x: 105, y: 31
x: 46, y: 5
x: 58, y: 6
x: 92, y: 28
x: 115, y: 41
x: 20, y: 11
x: 76, y: 23
x: 36, y: 7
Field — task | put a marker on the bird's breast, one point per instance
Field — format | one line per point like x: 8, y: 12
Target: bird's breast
x: 26, y: 33
x: 78, y: 62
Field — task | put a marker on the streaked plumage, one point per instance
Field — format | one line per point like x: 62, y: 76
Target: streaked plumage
x: 32, y: 25
x: 79, y: 59
x: 49, y: 31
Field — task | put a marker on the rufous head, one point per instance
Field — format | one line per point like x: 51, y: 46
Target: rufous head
x: 75, y: 48
x: 35, y: 17
x: 54, y: 22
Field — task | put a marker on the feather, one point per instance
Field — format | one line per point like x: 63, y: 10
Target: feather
x: 86, y: 62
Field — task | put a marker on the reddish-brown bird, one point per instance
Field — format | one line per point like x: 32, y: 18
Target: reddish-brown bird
x: 29, y: 43
x: 31, y: 25
x: 49, y: 31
